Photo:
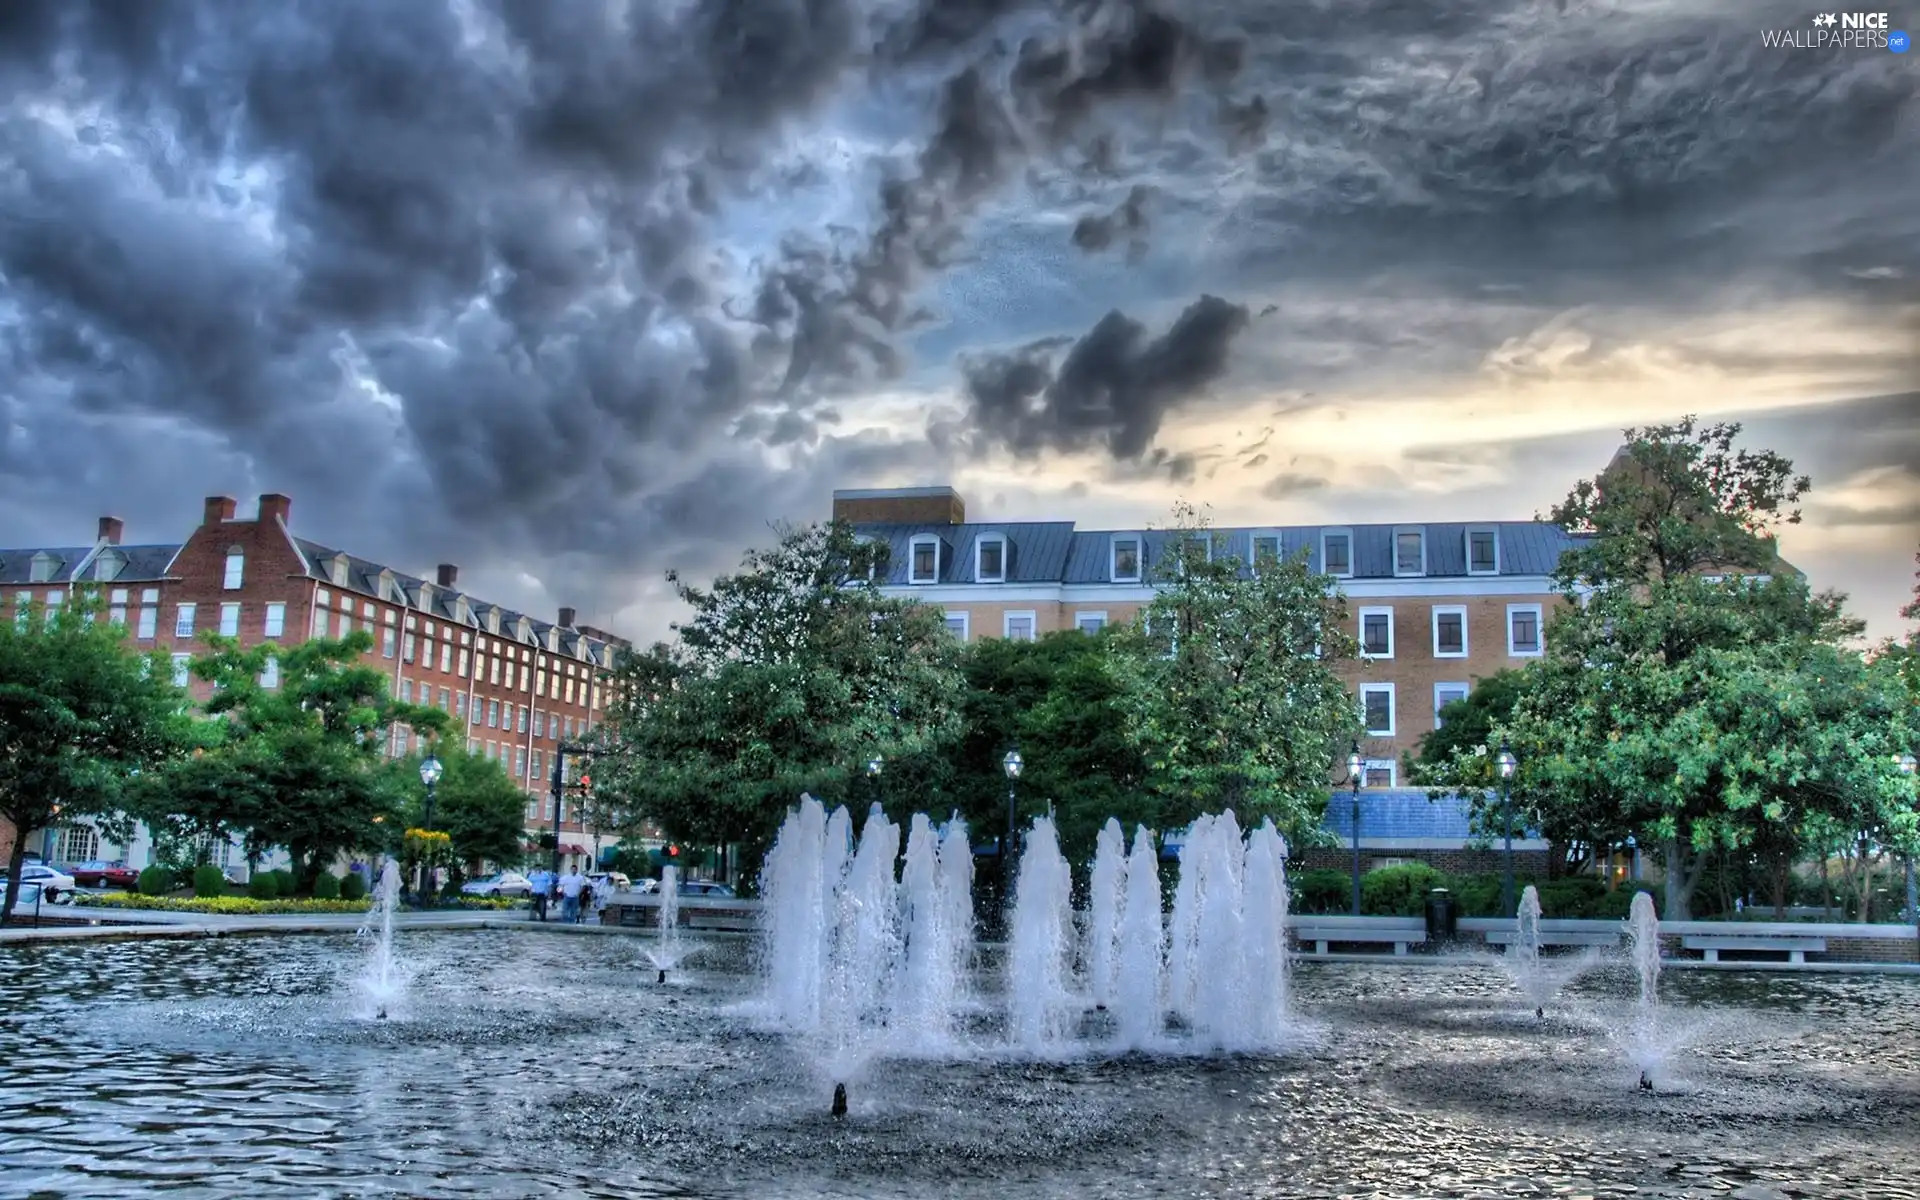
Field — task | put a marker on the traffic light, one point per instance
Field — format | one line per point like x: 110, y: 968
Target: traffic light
x: 673, y: 852
x: 586, y: 783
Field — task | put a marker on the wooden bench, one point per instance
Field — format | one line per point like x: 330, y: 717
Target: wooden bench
x: 1556, y: 937
x: 1359, y: 931
x: 1795, y: 946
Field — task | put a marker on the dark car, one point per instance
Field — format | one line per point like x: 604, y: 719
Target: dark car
x: 104, y: 874
x: 706, y: 888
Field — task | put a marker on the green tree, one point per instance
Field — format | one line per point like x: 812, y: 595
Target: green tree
x: 1638, y: 718
x: 1474, y: 721
x: 475, y: 803
x: 1059, y: 699
x: 80, y: 714
x: 789, y: 676
x: 1232, y: 692
x: 299, y: 763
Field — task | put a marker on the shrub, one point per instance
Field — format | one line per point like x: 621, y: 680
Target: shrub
x: 1475, y: 895
x: 1399, y: 891
x: 155, y: 880
x: 265, y: 885
x: 286, y: 884
x: 1572, y: 898
x: 354, y: 886
x: 326, y: 886
x: 1321, y: 891
x: 209, y: 881
x: 1618, y: 904
x: 225, y: 905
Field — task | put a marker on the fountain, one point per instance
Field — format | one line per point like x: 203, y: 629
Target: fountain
x: 937, y: 917
x: 381, y: 981
x: 1040, y: 1004
x: 1105, y: 892
x: 668, y: 954
x: 1643, y: 950
x: 1136, y: 1001
x: 1526, y: 948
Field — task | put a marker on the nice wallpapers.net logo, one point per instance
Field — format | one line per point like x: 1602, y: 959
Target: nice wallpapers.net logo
x: 1841, y: 31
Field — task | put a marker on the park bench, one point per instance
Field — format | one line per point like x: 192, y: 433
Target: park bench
x: 1557, y: 937
x: 1794, y: 945
x: 1323, y: 932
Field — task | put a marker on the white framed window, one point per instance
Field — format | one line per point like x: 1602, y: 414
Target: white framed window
x: 957, y: 625
x: 1445, y: 694
x: 1524, y: 639
x: 149, y: 619
x: 1409, y: 550
x: 923, y: 559
x: 521, y: 724
x: 183, y: 621
x: 236, y: 568
x: 1376, y: 632
x: 1266, y: 552
x: 408, y: 644
x: 42, y: 568
x: 229, y: 620
x: 990, y: 559
x: 1449, y: 631
x: 1193, y: 545
x: 117, y: 606
x: 519, y: 761
x: 343, y: 625
x: 389, y: 638
x: 493, y: 714
x: 1336, y: 553
x: 1380, y: 773
x: 446, y: 656
x: 79, y: 843
x: 1376, y: 709
x: 1123, y: 558
x: 182, y: 669
x: 276, y: 622
x: 1483, y: 550
x: 1021, y: 626
x: 1090, y: 622
x: 270, y: 674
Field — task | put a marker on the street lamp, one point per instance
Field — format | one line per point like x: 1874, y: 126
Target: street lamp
x: 1354, y: 763
x: 1012, y: 764
x: 1904, y: 761
x: 429, y: 775
x: 1506, y: 764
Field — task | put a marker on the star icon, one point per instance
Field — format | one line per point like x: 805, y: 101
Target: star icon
x: 1826, y: 19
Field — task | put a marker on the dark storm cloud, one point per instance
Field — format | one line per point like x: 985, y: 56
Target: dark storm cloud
x: 1112, y: 389
x: 1288, y: 484
x: 1097, y: 231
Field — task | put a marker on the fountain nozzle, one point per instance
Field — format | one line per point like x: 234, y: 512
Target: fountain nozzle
x: 839, y: 1099
x: 1646, y: 1082
x: 663, y: 976
x: 381, y: 1015
x: 1540, y: 1013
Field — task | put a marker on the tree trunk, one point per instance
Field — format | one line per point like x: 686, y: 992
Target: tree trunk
x: 1826, y: 887
x: 1778, y: 877
x: 15, y: 860
x: 1682, y: 877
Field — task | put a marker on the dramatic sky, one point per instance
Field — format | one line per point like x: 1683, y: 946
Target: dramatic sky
x: 570, y: 292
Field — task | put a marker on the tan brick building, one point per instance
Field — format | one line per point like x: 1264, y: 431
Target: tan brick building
x: 516, y: 686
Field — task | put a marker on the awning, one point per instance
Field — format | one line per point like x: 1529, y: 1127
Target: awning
x: 572, y: 848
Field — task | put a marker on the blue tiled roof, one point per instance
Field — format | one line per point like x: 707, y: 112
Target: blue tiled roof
x: 1057, y: 552
x: 1401, y: 813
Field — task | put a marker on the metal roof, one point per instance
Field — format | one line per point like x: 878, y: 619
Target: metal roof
x: 1403, y: 813
x: 144, y: 564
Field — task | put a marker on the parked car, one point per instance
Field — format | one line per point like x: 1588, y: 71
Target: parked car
x: 620, y: 881
x: 706, y: 888
x: 31, y: 896
x: 97, y: 873
x: 54, y: 882
x: 494, y: 887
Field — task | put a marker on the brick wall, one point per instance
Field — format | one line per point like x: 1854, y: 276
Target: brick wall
x: 942, y: 507
x: 1528, y: 865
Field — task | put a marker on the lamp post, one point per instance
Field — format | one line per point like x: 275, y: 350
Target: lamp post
x: 1012, y: 764
x: 1506, y: 763
x: 429, y: 775
x: 1905, y: 762
x: 1354, y: 765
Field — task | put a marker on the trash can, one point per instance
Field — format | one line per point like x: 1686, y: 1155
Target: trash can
x: 1442, y: 920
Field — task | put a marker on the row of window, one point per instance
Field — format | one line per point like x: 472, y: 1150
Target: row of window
x: 1022, y: 626
x: 495, y: 714
x: 1449, y: 627
x: 1379, y: 710
x: 1126, y: 551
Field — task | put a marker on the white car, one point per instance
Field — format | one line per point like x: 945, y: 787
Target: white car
x: 32, y: 897
x: 494, y: 887
x: 49, y: 880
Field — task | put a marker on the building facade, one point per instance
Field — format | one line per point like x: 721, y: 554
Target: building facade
x: 516, y: 686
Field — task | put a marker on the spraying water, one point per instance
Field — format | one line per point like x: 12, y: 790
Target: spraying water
x: 1040, y: 1004
x: 1526, y: 949
x: 1136, y: 999
x: 1643, y: 948
x: 797, y: 885
x: 1220, y: 951
x: 382, y: 981
x: 1265, y: 931
x: 1181, y: 935
x: 1103, y: 911
x: 668, y: 954
x: 936, y: 888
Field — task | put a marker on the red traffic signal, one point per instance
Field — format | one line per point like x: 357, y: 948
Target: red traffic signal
x: 586, y: 783
x: 673, y: 852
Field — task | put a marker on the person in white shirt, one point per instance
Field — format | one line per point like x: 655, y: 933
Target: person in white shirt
x: 571, y: 885
x: 602, y: 893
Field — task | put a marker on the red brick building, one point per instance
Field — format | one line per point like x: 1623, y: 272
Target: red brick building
x: 515, y: 685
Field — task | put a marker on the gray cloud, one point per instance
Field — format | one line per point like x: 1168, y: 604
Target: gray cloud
x: 1111, y: 389
x: 1097, y: 231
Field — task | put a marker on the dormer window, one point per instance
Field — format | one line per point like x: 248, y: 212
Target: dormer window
x: 1266, y: 552
x: 493, y: 620
x: 337, y: 570
x: 523, y: 631
x: 1125, y: 559
x: 923, y: 560
x: 236, y: 569
x: 1336, y: 553
x: 990, y: 559
x: 1409, y: 551
x: 1194, y: 547
x: 43, y: 567
x: 1483, y: 550
x: 389, y: 590
x: 109, y: 565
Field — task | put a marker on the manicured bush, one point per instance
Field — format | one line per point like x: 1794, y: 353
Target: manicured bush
x: 1475, y: 895
x: 284, y: 881
x: 326, y: 886
x: 1618, y: 904
x: 1321, y: 891
x: 225, y: 905
x: 155, y: 880
x: 1571, y: 898
x: 265, y: 885
x: 354, y: 886
x: 1398, y: 891
x: 209, y: 881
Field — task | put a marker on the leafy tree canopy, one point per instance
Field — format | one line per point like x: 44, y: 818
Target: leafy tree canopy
x: 80, y: 715
x: 475, y: 803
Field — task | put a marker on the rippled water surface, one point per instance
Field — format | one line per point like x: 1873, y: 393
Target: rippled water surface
x: 529, y: 1064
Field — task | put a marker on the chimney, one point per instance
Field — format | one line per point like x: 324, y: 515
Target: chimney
x: 899, y: 506
x: 110, y: 529
x: 448, y: 574
x: 218, y: 509
x: 566, y: 618
x: 273, y: 505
